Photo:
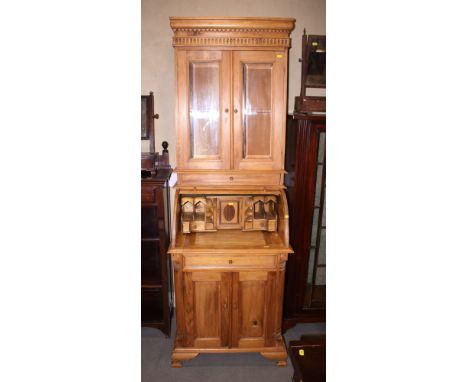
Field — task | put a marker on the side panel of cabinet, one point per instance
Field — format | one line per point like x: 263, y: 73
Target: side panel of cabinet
x: 206, y: 308
x: 253, y: 309
x: 203, y: 109
x: 259, y: 88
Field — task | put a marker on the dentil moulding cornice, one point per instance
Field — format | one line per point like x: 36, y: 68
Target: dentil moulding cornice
x: 231, y: 31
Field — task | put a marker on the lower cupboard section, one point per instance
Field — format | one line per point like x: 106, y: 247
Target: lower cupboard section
x: 229, y: 309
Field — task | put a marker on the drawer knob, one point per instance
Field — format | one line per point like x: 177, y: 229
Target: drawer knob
x: 230, y: 261
x: 231, y: 178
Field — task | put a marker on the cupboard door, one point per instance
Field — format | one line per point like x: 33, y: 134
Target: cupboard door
x: 203, y: 109
x: 253, y: 308
x: 206, y: 308
x: 259, y: 109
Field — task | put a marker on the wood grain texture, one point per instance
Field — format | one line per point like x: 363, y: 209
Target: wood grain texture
x: 278, y: 354
x: 229, y: 279
x: 274, y: 126
x: 231, y: 32
x: 231, y: 178
x: 185, y: 158
x: 262, y: 66
x: 230, y: 262
x: 253, y: 304
x: 206, y: 298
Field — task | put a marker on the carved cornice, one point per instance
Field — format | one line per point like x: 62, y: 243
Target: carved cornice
x: 200, y: 30
x: 229, y: 32
x: 231, y: 41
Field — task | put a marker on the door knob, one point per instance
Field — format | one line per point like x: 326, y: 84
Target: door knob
x: 235, y: 111
x: 226, y: 110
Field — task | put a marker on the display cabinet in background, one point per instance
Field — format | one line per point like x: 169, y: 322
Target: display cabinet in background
x: 156, y: 273
x: 305, y: 163
x: 156, y: 299
x: 305, y: 188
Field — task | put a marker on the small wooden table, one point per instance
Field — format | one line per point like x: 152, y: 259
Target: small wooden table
x: 308, y: 358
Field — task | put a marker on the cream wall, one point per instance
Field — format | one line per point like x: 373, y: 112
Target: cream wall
x: 157, y: 56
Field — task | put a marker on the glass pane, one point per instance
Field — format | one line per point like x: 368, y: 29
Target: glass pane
x: 313, y: 235
x: 310, y: 267
x: 318, y: 185
x: 257, y: 110
x: 314, y: 295
x: 204, y: 108
x: 320, y: 276
x: 321, y: 148
x: 321, y: 252
x: 324, y: 222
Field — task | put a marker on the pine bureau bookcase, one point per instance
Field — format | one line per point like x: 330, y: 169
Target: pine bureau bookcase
x: 230, y: 231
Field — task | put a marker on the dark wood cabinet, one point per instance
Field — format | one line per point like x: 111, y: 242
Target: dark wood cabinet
x: 305, y: 190
x: 308, y: 358
x: 156, y: 300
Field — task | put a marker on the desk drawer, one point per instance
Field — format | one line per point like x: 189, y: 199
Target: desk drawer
x: 230, y: 261
x: 195, y: 179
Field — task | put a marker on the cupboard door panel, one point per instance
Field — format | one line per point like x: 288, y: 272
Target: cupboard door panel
x: 259, y: 99
x: 252, y: 301
x: 203, y: 109
x: 206, y: 308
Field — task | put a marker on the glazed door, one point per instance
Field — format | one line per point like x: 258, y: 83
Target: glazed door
x: 206, y: 308
x: 315, y: 288
x: 259, y: 109
x: 203, y: 109
x: 254, y: 309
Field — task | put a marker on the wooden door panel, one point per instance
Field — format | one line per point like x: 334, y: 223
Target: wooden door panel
x: 259, y: 89
x: 206, y: 308
x: 203, y: 109
x: 253, y: 301
x: 252, y: 298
